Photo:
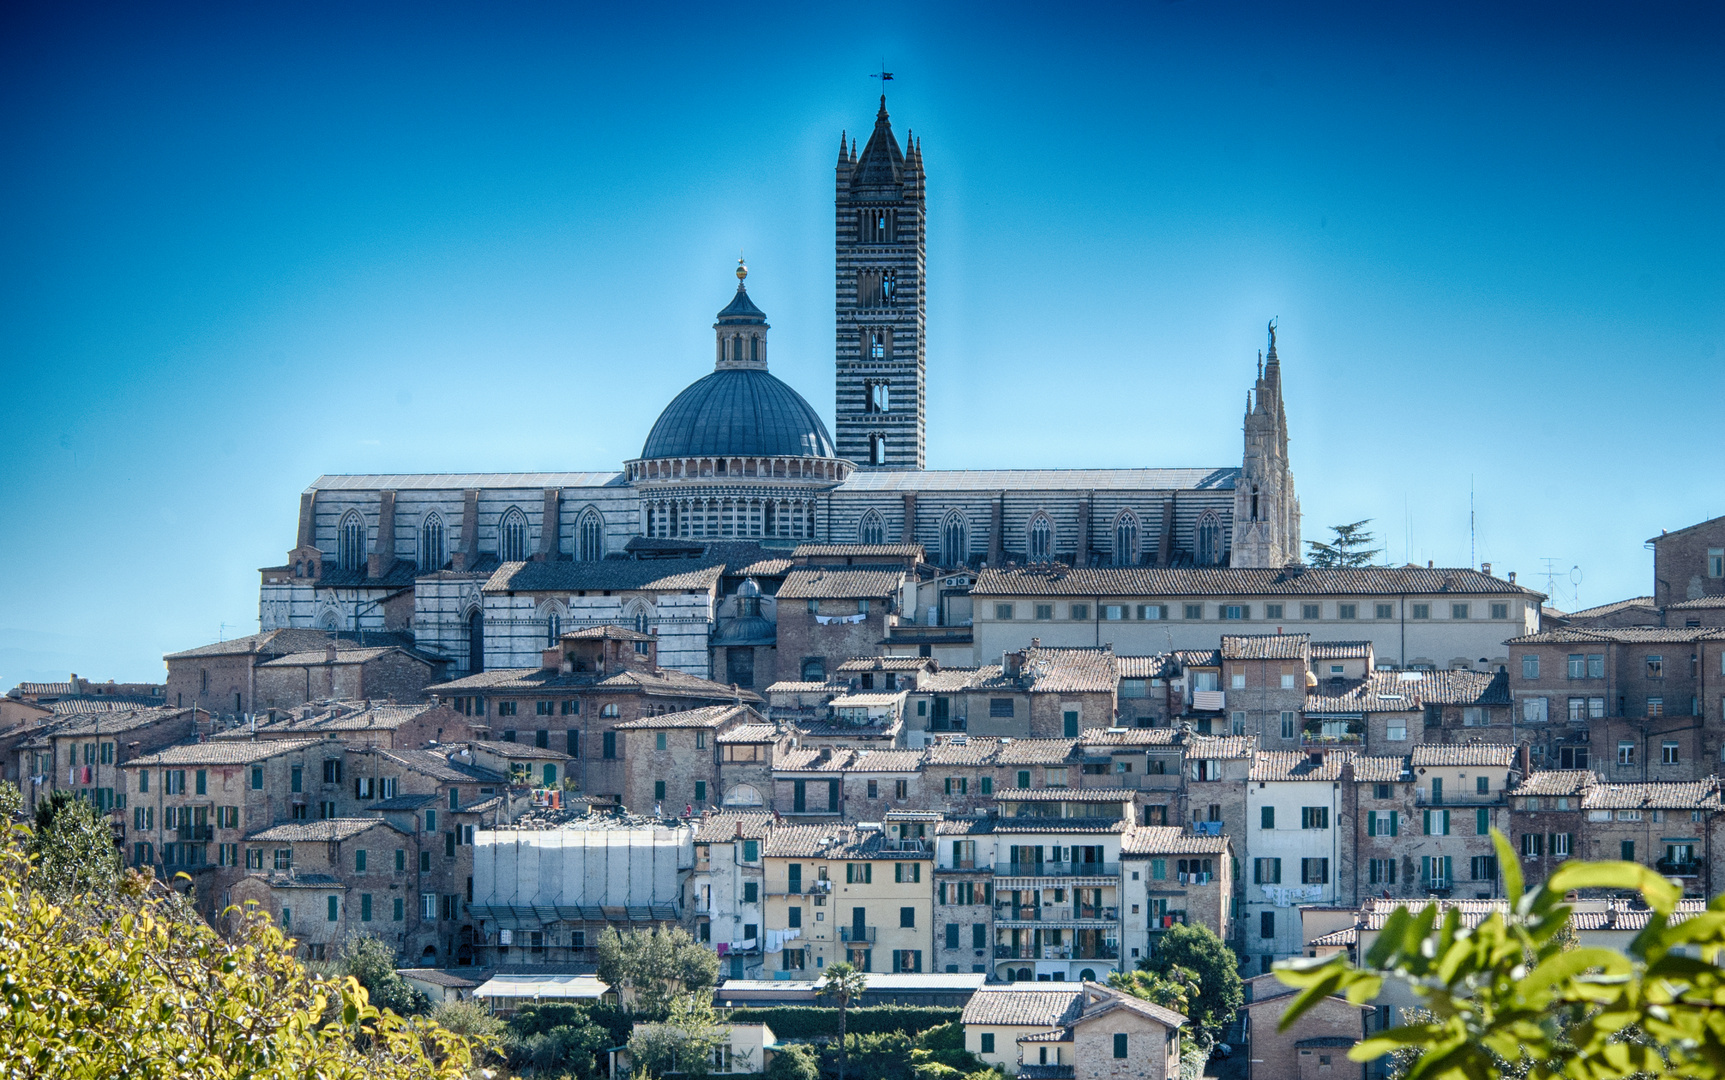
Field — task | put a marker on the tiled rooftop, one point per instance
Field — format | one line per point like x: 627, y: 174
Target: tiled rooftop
x: 1061, y: 580
x: 847, y: 583
x: 1265, y: 646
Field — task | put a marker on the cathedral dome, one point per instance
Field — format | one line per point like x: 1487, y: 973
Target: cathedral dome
x: 739, y: 410
x: 738, y: 413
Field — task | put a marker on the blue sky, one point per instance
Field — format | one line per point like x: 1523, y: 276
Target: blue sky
x: 246, y: 245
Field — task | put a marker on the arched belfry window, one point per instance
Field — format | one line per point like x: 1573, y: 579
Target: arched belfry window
x: 754, y: 347
x: 955, y: 540
x: 1126, y: 539
x: 590, y: 537
x: 872, y: 530
x: 552, y: 613
x: 877, y: 449
x: 1039, y: 539
x: 431, y: 555
x: 350, y: 541
x: 512, y: 536
x: 1209, y: 546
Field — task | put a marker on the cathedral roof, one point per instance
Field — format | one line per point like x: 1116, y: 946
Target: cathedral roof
x: 882, y: 162
x: 738, y: 413
x: 741, y: 309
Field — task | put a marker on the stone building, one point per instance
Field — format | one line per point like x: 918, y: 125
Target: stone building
x: 226, y: 679
x: 401, y: 727
x: 861, y: 893
x: 86, y: 752
x: 727, y: 890
x: 1689, y: 564
x: 1085, y: 1032
x: 1170, y: 877
x: 673, y: 760
x: 1264, y: 677
x: 1547, y: 825
x: 387, y: 673
x: 1297, y: 847
x: 827, y: 615
x: 1315, y: 1047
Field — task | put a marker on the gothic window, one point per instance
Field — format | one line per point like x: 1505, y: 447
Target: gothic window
x: 475, y: 642
x: 1254, y: 502
x: 877, y: 449
x: 553, y: 629
x: 1125, y: 539
x: 872, y: 530
x: 1209, y: 551
x: 1040, y: 539
x: 888, y: 284
x: 638, y: 616
x: 879, y: 397
x: 879, y: 344
x: 350, y: 542
x: 431, y: 543
x: 590, y: 538
x: 955, y: 540
x: 512, y: 536
x: 875, y: 226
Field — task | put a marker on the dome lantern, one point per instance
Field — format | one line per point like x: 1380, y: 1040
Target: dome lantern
x: 741, y: 331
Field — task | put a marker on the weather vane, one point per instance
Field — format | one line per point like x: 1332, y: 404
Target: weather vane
x: 883, y: 75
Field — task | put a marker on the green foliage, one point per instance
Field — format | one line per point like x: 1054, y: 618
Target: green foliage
x: 651, y: 968
x: 470, y: 1019
x: 128, y: 985
x: 1200, y: 955
x: 1510, y: 997
x: 798, y: 1022
x: 559, y: 1039
x: 1174, y: 989
x: 843, y: 982
x: 684, y: 1042
x: 72, y: 847
x: 939, y: 1054
x: 11, y: 803
x: 1351, y: 546
x: 370, y: 960
x: 793, y: 1062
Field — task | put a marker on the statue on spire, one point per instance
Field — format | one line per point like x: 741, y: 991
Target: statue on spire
x: 1272, y: 335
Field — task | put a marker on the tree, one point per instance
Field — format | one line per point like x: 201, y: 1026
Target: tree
x: 1195, y: 948
x: 1511, y: 997
x: 11, y: 803
x: 843, y: 982
x: 684, y: 1043
x: 130, y: 985
x: 372, y: 961
x: 651, y: 968
x: 1174, y: 989
x: 559, y: 1039
x: 793, y: 1061
x: 939, y: 1054
x: 1351, y: 546
x: 73, y: 848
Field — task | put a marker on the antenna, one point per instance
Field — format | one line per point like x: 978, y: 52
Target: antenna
x: 1472, y: 553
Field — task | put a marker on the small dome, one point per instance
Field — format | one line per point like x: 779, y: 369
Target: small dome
x: 738, y: 413
x: 746, y: 630
x: 748, y: 588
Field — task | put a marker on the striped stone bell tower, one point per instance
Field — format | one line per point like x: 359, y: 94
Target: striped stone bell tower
x: 881, y: 241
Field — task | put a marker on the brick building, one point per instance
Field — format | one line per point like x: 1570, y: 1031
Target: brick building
x: 1314, y: 1048
x: 223, y: 678
x: 1689, y: 564
x: 830, y: 614
x: 85, y: 752
x: 362, y: 723
x: 673, y: 760
x: 1264, y: 677
x: 386, y: 673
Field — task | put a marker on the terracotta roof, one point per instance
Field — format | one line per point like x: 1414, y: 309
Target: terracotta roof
x: 1058, y: 1035
x: 1159, y: 666
x: 437, y: 765
x: 616, y: 575
x: 1475, y: 753
x: 973, y: 751
x: 1089, y: 794
x: 1197, y: 658
x: 1148, y: 736
x: 113, y: 723
x: 832, y: 842
x: 751, y: 733
x: 1042, y: 1009
x: 951, y: 680
x: 868, y: 699
x: 1698, y: 604
x: 403, y: 803
x: 1694, y: 795
x: 606, y: 631
x: 1071, y: 671
x: 1222, y: 747
x: 278, y: 642
x: 223, y: 752
x: 349, y: 718
x: 1380, y: 769
x: 886, y: 663
x: 1472, y: 912
x: 1293, y: 765
x: 723, y: 826
x: 808, y: 551
x: 1621, y: 915
x: 342, y: 658
x: 1098, y: 826
x: 966, y: 826
x: 436, y: 977
x: 329, y: 829
x: 1116, y: 999
x: 1060, y: 580
x: 808, y: 759
x: 1169, y: 840
x: 1464, y: 688
x: 1378, y: 692
x: 1265, y: 646
x: 886, y: 761
x: 1624, y: 635
x: 1037, y: 752
x: 1611, y: 608
x: 669, y: 682
x: 792, y: 687
x: 1555, y: 782
x: 522, y: 751
x: 664, y: 682
x: 707, y: 716
x: 1347, y: 935
x: 1341, y: 650
x: 847, y: 583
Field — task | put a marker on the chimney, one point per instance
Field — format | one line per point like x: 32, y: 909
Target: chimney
x: 1512, y: 577
x: 825, y: 754
x: 739, y: 828
x: 1485, y: 568
x: 329, y: 653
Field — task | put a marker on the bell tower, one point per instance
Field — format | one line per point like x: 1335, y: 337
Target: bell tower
x: 1266, y: 511
x: 881, y: 239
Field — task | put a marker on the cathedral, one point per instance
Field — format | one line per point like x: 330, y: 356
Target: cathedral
x: 485, y: 569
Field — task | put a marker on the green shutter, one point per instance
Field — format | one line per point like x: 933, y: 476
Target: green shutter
x: 1446, y: 825
x: 1481, y: 821
x: 1395, y: 822
x: 1371, y: 823
x: 1428, y: 821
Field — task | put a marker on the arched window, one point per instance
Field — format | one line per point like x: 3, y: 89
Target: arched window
x: 1126, y: 539
x: 350, y: 542
x: 754, y: 347
x: 872, y: 530
x: 512, y: 536
x: 877, y: 449
x: 590, y: 537
x: 639, y: 616
x: 431, y: 543
x: 1209, y: 551
x: 1254, y: 502
x: 475, y: 642
x: 1040, y: 539
x: 955, y: 540
x: 553, y: 630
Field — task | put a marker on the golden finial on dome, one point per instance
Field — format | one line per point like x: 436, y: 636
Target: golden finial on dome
x: 742, y: 269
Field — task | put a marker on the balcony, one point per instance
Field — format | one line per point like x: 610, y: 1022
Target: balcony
x: 1438, y: 886
x: 1167, y: 920
x: 194, y: 833
x: 1325, y: 733
x: 1424, y: 797
x: 861, y: 935
x: 910, y: 844
x: 1056, y: 913
x: 1058, y: 869
x: 1681, y: 867
x: 966, y: 866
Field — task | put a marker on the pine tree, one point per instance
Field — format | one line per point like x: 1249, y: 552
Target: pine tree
x: 1351, y: 546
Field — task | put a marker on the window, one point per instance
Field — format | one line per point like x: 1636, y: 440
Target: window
x: 1314, y: 871
x: 1154, y: 611
x: 1080, y: 612
x: 1533, y: 710
x: 955, y: 537
x: 1289, y: 728
x: 350, y: 541
x: 1627, y: 850
x: 1267, y: 925
x: 1239, y: 723
x: 1596, y: 665
x: 1530, y: 667
x: 1314, y: 817
x: 1003, y: 611
x: 1577, y: 666
x: 751, y: 892
x: 1194, y: 611
x: 1437, y: 822
x: 1236, y: 611
x: 1626, y: 753
x: 431, y: 543
x: 987, y: 1042
x: 1120, y: 1045
x: 1655, y: 706
x: 400, y: 860
x: 1383, y: 823
x: 1347, y: 611
x: 397, y: 912
x: 1458, y: 611
x: 1560, y: 844
x: 659, y: 740
x: 1126, y: 539
x: 1209, y: 546
x: 814, y: 667
x: 1483, y: 867
x: 1311, y: 611
x: 512, y: 536
x: 608, y: 746
x: 751, y: 850
x: 1716, y: 562
x: 1267, y: 817
x: 590, y: 537
x: 1656, y: 667
x: 659, y: 789
x: 1422, y: 611
x: 1381, y: 872
x: 1266, y: 871
x: 859, y: 873
x: 1532, y: 845
x: 1040, y: 538
x: 987, y: 785
x: 1024, y: 778
x: 1288, y: 681
x: 1668, y: 753
x: 1000, y: 706
x: 1500, y: 611
x: 428, y: 905
x: 1045, y: 611
x: 1385, y: 611
x: 334, y: 908
x: 871, y: 530
x: 174, y: 781
x: 907, y: 917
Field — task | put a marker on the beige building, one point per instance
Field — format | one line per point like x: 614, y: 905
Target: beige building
x: 1170, y: 877
x: 848, y: 892
x: 1083, y: 1032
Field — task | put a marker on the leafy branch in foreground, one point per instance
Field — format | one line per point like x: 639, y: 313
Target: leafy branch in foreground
x: 1509, y: 997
